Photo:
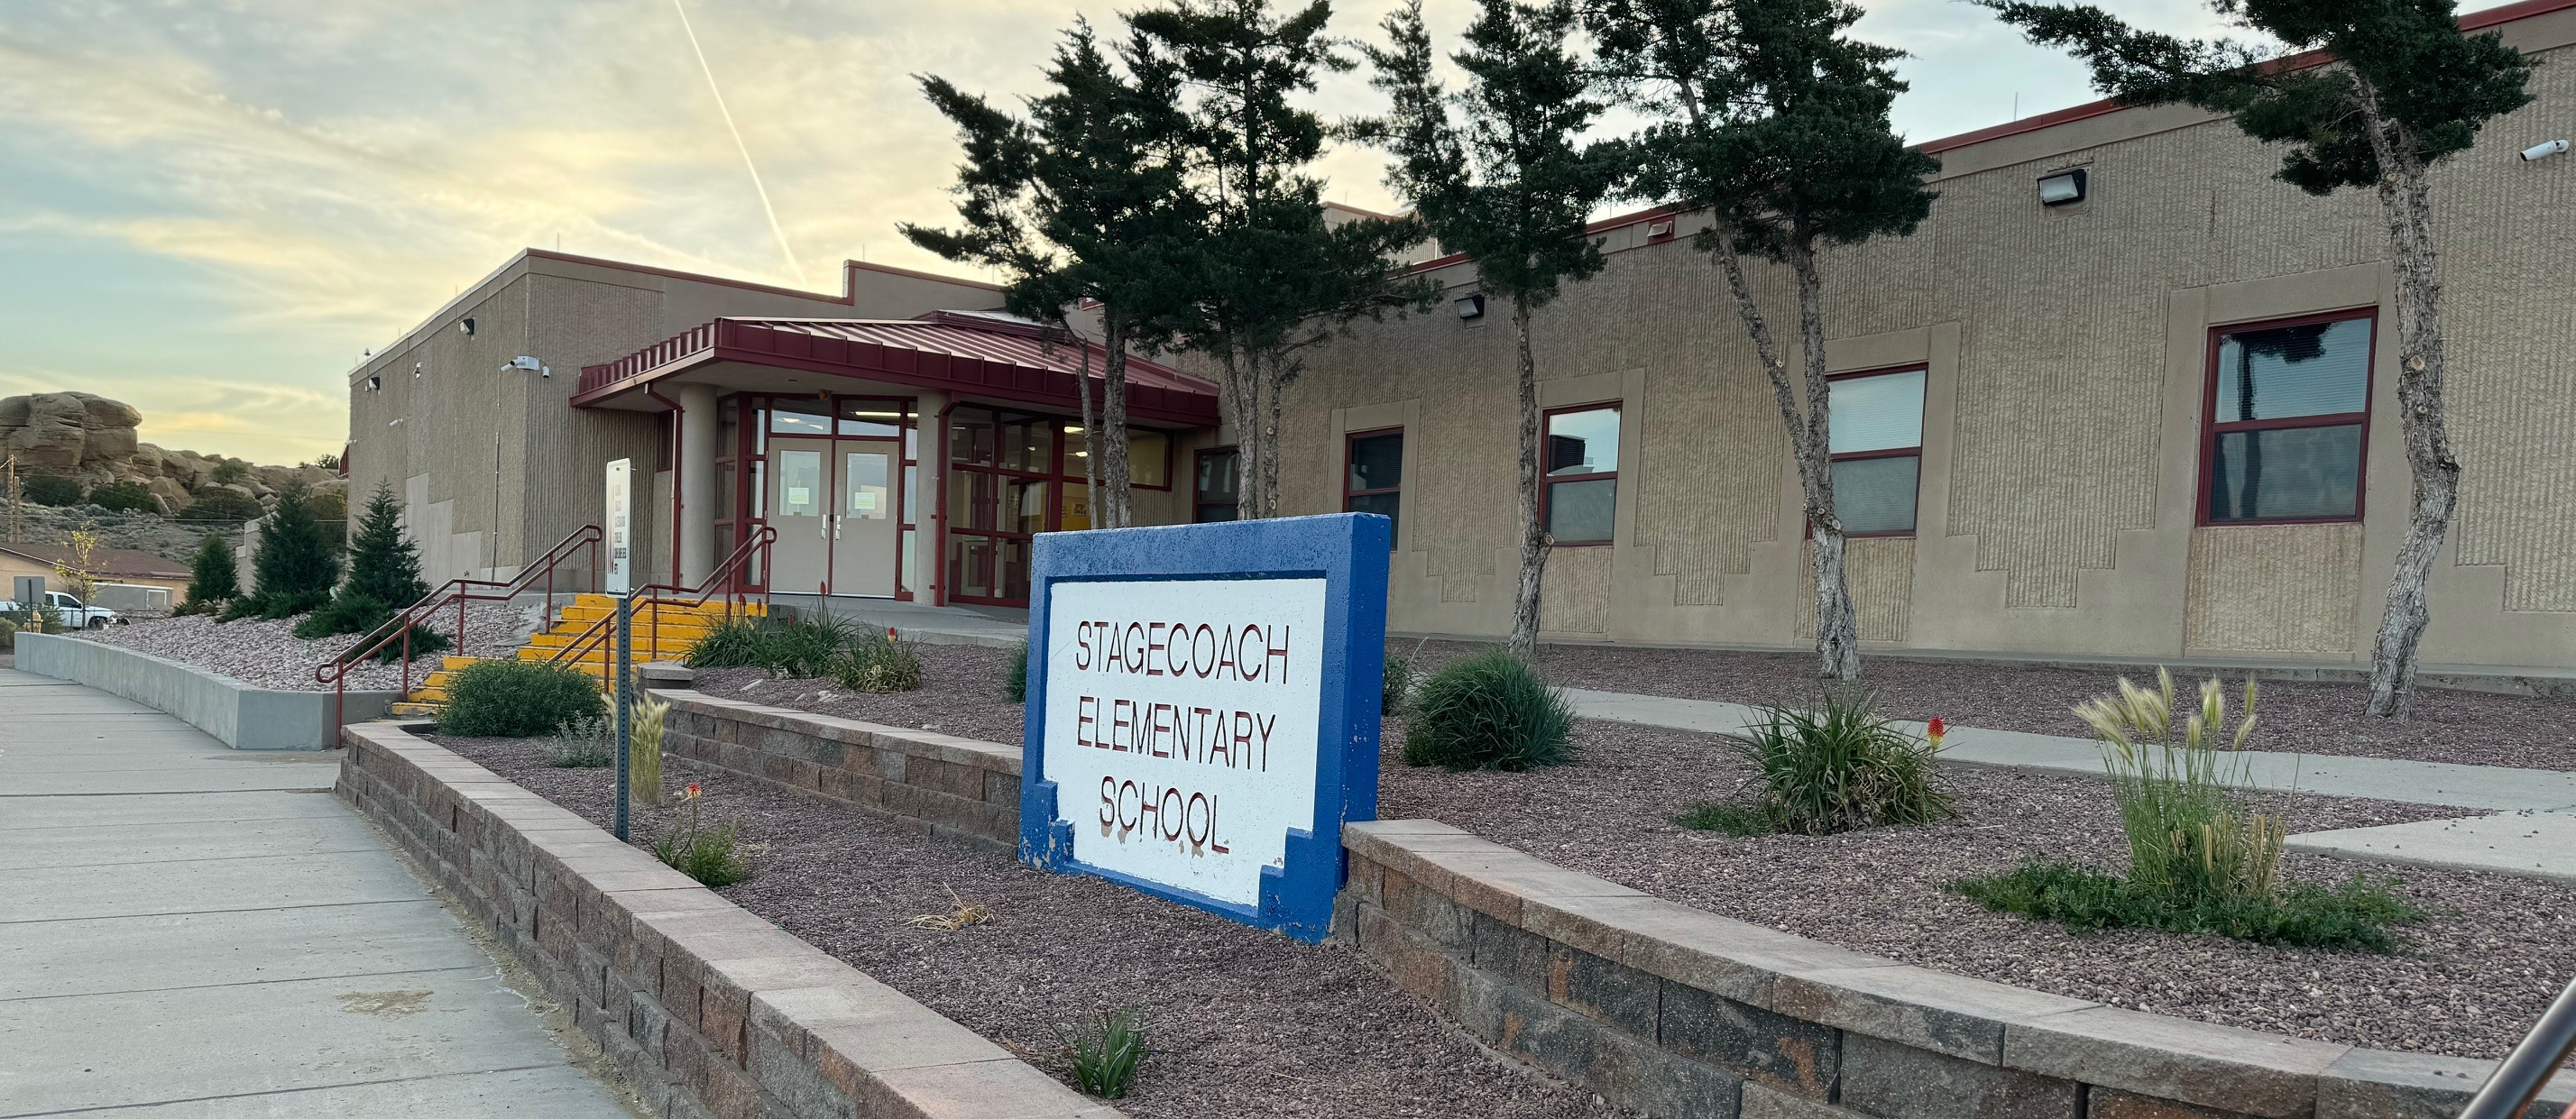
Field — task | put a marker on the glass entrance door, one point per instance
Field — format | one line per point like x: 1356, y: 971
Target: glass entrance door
x: 800, y: 504
x: 865, y: 522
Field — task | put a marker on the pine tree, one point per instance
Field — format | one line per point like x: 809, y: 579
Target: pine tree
x: 2407, y: 90
x: 1511, y: 189
x: 383, y: 565
x: 1270, y: 277
x: 1084, y: 200
x: 295, y: 567
x: 1773, y: 119
x: 213, y: 579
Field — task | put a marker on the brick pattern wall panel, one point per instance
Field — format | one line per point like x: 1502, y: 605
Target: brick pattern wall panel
x: 2273, y: 589
x: 1709, y: 484
x: 1879, y: 570
x: 2508, y: 315
x: 1574, y: 595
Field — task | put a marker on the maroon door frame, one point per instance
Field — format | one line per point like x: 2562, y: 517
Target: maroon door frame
x: 751, y: 424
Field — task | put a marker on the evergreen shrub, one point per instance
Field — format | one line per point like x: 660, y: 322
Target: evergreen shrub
x: 517, y: 699
x: 1490, y: 711
x: 1840, y: 767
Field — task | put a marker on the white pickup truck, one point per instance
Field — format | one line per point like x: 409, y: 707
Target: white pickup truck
x: 70, y: 612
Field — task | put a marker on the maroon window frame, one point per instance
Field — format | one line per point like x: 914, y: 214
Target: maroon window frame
x: 1915, y: 451
x: 1396, y: 491
x: 2211, y: 429
x: 1197, y: 499
x: 1547, y: 482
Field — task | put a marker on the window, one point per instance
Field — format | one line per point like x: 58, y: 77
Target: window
x: 1579, y: 491
x: 2289, y: 407
x: 1374, y: 481
x: 1876, y: 449
x: 1149, y: 456
x: 1214, y: 495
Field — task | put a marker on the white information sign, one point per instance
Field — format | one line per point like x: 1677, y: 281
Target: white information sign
x: 621, y: 525
x: 1182, y: 725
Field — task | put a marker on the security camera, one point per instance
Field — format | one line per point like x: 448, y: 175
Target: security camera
x: 2544, y: 150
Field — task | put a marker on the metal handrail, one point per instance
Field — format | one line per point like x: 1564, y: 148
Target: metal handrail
x: 459, y: 590
x: 726, y: 580
x: 2518, y: 1081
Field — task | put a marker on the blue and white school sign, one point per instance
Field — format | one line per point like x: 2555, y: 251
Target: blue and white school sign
x: 1203, y: 710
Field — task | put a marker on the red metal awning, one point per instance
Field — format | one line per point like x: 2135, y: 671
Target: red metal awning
x: 960, y: 352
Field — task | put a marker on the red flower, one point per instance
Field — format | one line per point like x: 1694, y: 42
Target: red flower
x: 1937, y: 727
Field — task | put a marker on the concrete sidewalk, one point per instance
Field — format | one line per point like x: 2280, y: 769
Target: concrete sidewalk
x: 187, y: 930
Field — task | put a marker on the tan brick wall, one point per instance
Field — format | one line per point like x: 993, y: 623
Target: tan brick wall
x: 2063, y: 416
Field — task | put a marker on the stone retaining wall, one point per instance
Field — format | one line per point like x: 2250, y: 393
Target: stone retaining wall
x: 956, y: 788
x: 242, y: 716
x: 1674, y: 1011
x: 707, y: 1010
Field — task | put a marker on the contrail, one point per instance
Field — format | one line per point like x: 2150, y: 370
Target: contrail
x: 763, y: 191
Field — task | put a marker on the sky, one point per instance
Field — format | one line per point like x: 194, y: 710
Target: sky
x: 211, y: 209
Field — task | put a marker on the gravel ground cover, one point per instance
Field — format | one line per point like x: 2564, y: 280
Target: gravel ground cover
x: 2494, y: 952
x: 267, y: 654
x: 960, y: 694
x: 1245, y: 1023
x: 2475, y: 728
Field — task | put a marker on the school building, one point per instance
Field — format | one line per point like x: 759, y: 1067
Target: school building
x: 2123, y: 394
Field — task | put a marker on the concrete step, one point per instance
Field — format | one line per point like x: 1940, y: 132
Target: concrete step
x: 409, y: 710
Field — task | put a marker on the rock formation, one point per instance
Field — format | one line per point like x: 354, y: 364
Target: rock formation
x: 92, y: 439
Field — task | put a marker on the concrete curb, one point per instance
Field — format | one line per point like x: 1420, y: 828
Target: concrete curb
x: 706, y: 1010
x: 242, y: 716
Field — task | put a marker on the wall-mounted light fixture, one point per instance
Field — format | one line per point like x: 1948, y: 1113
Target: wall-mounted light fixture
x: 2544, y: 150
x: 393, y: 423
x: 528, y: 364
x: 1658, y: 230
x: 1472, y: 307
x: 375, y: 384
x: 2064, y: 188
x: 466, y: 325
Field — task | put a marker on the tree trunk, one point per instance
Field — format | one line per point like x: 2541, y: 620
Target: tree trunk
x: 1810, y: 444
x: 1534, y: 535
x: 1113, y: 510
x: 1242, y: 403
x: 2403, y: 197
x: 1275, y: 384
x: 1090, y: 426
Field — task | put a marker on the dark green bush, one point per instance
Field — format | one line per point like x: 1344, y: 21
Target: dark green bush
x: 2355, y: 916
x: 877, y: 662
x: 218, y: 506
x: 48, y: 489
x: 124, y: 497
x: 1490, y: 711
x: 1840, y: 767
x: 274, y: 606
x: 1015, y: 681
x: 729, y: 643
x: 296, y: 565
x: 1106, y: 1052
x: 517, y: 699
x: 213, y: 578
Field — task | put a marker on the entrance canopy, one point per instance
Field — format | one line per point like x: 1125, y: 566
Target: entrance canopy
x: 967, y: 354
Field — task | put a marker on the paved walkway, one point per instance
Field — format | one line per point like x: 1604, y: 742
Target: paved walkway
x: 186, y: 930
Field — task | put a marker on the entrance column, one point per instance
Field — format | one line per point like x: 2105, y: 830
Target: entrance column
x: 697, y: 469
x: 930, y: 522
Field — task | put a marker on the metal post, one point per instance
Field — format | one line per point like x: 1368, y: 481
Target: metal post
x: 618, y: 664
x: 2509, y: 1092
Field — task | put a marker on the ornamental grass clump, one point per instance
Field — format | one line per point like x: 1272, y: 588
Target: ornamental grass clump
x: 1106, y: 1052
x: 2202, y: 858
x: 645, y: 721
x: 1490, y: 711
x: 877, y: 662
x: 715, y: 856
x: 589, y: 742
x: 806, y: 646
x: 1836, y: 767
x: 1015, y: 679
x: 1397, y: 688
